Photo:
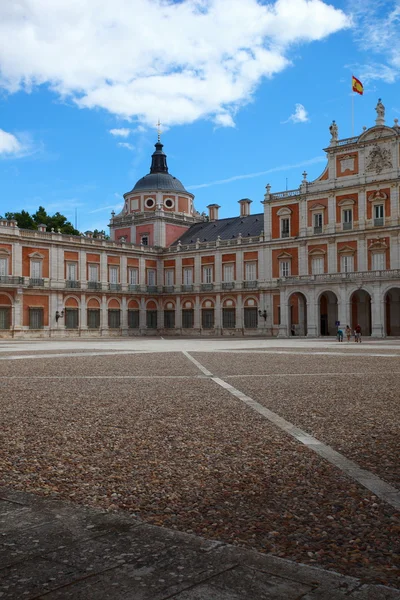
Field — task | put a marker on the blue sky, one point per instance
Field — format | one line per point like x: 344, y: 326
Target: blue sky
x: 246, y: 91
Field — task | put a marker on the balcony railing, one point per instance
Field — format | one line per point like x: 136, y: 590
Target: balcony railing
x: 36, y: 282
x: 168, y: 289
x: 378, y: 222
x: 339, y: 277
x: 207, y: 287
x: 72, y: 284
x: 250, y: 285
x: 188, y: 287
x: 285, y: 234
x: 318, y: 229
x: 11, y: 280
x: 115, y: 287
x: 228, y: 285
x: 347, y: 226
x: 152, y: 289
x: 94, y: 285
x: 133, y: 287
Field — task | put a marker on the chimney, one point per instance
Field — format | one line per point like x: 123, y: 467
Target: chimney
x: 89, y: 234
x: 213, y: 212
x: 245, y: 207
x: 42, y: 227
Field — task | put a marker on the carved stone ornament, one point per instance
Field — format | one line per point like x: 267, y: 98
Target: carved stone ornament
x: 347, y: 163
x: 379, y: 159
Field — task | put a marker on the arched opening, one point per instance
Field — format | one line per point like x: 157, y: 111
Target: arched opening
x: 392, y: 312
x: 328, y: 313
x: 297, y: 318
x: 5, y: 312
x: 93, y: 313
x: 71, y: 313
x: 361, y: 311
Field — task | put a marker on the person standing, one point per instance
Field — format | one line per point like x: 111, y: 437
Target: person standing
x: 348, y: 333
x: 340, y: 335
x: 358, y: 333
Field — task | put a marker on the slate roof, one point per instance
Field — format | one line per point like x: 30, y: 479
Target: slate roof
x: 159, y: 181
x: 227, y: 229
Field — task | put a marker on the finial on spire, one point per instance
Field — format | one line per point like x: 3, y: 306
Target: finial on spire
x: 159, y: 132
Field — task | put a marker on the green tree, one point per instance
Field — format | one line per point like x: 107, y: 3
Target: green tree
x: 40, y: 217
x: 98, y: 232
x: 23, y: 218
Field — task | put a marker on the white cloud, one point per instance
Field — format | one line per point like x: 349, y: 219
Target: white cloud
x: 299, y: 116
x: 126, y: 145
x: 123, y: 132
x: 182, y: 61
x: 9, y: 144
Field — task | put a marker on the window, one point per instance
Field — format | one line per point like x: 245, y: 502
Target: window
x: 250, y: 271
x: 36, y: 269
x: 93, y: 272
x: 347, y: 264
x: 144, y: 240
x: 228, y: 318
x: 114, y: 318
x: 169, y: 319
x: 250, y: 317
x: 151, y: 319
x: 71, y: 316
x: 347, y: 218
x: 133, y: 276
x: 188, y: 318
x: 72, y: 271
x: 133, y: 319
x: 36, y: 318
x: 317, y: 265
x: 169, y: 203
x: 228, y: 275
x: 149, y: 203
x: 207, y: 318
x: 187, y: 275
x: 113, y: 273
x: 378, y: 215
x: 169, y: 277
x: 93, y: 318
x: 5, y: 317
x: 285, y: 228
x: 151, y: 277
x: 378, y: 261
x: 3, y: 267
x: 207, y: 274
x: 284, y: 268
x: 318, y: 223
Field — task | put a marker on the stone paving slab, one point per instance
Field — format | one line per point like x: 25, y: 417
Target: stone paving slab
x: 59, y: 551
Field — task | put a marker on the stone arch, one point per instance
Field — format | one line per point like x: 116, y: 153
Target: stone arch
x: 229, y: 302
x: 6, y: 299
x: 93, y: 303
x: 297, y: 313
x: 187, y: 304
x: 360, y: 310
x: 250, y: 301
x: 71, y: 302
x: 169, y: 304
x: 151, y: 305
x: 6, y: 306
x: 133, y: 304
x: 208, y: 303
x: 114, y: 303
x: 328, y: 312
x: 392, y: 311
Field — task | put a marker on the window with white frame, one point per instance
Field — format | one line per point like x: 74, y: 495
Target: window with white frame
x: 145, y: 240
x: 378, y: 261
x: 3, y: 266
x: 250, y: 271
x: 207, y: 274
x: 228, y: 275
x: 113, y: 272
x: 317, y: 265
x: 318, y: 222
x: 284, y: 267
x: 169, y: 277
x: 133, y: 276
x: 347, y: 218
x: 151, y: 277
x: 72, y: 271
x: 378, y: 215
x: 347, y: 263
x: 93, y: 273
x: 187, y: 275
x: 36, y: 268
x: 285, y: 227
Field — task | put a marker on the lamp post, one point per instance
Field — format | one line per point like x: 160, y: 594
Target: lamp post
x: 59, y: 315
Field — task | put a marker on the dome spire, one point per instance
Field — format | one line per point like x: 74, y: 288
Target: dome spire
x: 159, y: 158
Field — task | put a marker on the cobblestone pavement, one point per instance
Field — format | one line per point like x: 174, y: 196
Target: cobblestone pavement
x: 289, y: 449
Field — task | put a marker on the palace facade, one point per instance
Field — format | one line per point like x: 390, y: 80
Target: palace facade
x: 324, y: 253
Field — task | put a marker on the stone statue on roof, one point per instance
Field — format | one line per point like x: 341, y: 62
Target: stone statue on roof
x: 333, y: 128
x: 380, y: 109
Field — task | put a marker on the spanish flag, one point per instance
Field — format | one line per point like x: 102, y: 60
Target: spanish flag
x: 357, y: 86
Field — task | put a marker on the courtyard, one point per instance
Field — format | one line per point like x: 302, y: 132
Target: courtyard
x: 287, y: 447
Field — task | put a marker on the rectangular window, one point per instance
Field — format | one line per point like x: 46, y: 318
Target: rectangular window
x: 188, y: 276
x: 188, y: 318
x: 228, y: 275
x: 72, y: 271
x: 250, y: 317
x: 5, y: 317
x: 93, y: 318
x: 133, y: 319
x: 250, y: 271
x: 317, y: 265
x: 145, y: 240
x: 71, y: 316
x: 284, y: 268
x: 228, y: 318
x: 133, y: 276
x: 378, y: 261
x: 169, y: 277
x: 36, y: 269
x: 207, y: 274
x: 151, y: 277
x: 347, y: 264
x: 318, y: 223
x: 207, y: 318
x: 114, y: 318
x: 347, y: 218
x: 378, y: 215
x: 113, y: 273
x: 3, y: 267
x: 169, y: 319
x: 93, y: 272
x: 36, y: 318
x: 285, y: 228
x: 151, y: 319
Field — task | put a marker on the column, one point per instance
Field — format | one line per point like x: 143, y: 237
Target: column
x: 83, y: 313
x: 343, y: 307
x: 283, y: 326
x: 377, y: 312
x: 218, y: 269
x: 267, y: 262
x: 142, y: 272
x: 312, y: 308
x: 178, y: 313
x: 394, y: 251
x: 332, y: 256
x: 197, y: 315
x: 303, y: 262
x: 394, y: 205
x: 239, y: 312
x: 331, y: 227
x: 103, y: 314
x: 178, y: 271
x: 267, y: 220
x: 217, y: 314
x: 362, y: 264
x: 16, y: 260
x: 197, y: 270
x: 239, y: 268
x: 362, y: 212
x: 18, y: 306
x: 123, y: 274
x: 124, y: 316
x: 82, y: 268
x: 103, y: 268
x: 303, y: 217
x: 142, y: 315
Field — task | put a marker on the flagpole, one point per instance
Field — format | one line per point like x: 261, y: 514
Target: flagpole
x: 352, y: 113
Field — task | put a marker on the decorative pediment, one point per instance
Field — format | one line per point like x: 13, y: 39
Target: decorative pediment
x: 36, y: 255
x: 317, y: 252
x: 376, y: 132
x: 285, y: 256
x: 4, y: 253
x: 318, y: 206
x: 346, y: 202
x: 379, y: 159
x: 378, y: 246
x: 376, y: 196
x: 285, y: 211
x: 347, y: 250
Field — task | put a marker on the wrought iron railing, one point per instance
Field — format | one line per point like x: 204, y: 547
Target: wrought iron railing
x: 11, y: 280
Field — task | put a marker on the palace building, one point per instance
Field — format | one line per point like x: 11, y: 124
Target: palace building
x: 324, y: 253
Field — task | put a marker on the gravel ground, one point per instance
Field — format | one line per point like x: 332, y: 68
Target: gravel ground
x: 185, y: 454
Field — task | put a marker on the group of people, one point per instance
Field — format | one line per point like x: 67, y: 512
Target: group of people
x: 357, y: 334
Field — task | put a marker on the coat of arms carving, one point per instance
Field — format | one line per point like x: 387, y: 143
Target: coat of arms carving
x: 378, y: 159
